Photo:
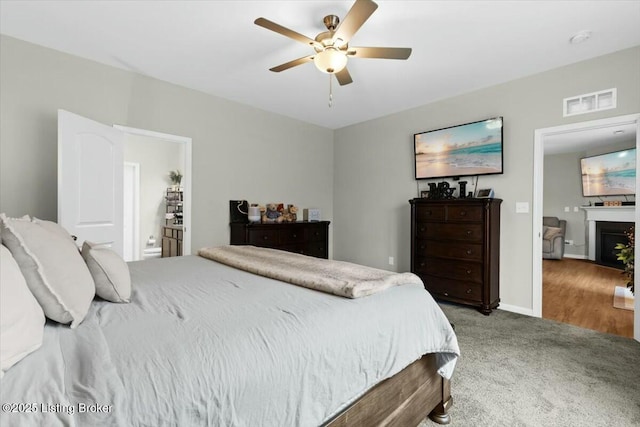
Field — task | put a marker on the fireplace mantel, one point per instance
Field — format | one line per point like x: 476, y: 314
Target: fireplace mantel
x: 606, y: 213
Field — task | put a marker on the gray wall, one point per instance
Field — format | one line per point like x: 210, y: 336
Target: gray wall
x: 239, y: 152
x: 563, y: 188
x: 373, y: 178
x: 365, y: 170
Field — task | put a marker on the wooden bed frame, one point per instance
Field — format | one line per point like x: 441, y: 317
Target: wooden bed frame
x: 402, y: 400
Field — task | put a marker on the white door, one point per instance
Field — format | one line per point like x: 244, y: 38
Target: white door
x: 90, y: 174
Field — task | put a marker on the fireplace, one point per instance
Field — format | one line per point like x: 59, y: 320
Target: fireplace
x: 608, y: 235
x: 597, y: 214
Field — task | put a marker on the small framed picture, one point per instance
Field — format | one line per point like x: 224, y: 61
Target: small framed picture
x: 485, y: 193
x: 424, y: 194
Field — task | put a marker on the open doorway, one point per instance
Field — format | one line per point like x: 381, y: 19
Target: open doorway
x: 154, y: 155
x: 579, y: 282
x: 91, y: 175
x: 564, y: 134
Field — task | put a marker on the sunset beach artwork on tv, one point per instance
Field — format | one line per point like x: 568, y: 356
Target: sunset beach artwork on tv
x: 463, y: 150
x: 610, y: 174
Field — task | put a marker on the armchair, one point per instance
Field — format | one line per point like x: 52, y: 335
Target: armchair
x: 553, y: 230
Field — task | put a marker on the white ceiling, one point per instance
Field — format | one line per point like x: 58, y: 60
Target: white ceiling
x: 214, y: 46
x: 583, y: 141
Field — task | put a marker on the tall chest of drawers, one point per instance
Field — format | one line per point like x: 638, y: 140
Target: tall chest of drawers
x: 455, y: 249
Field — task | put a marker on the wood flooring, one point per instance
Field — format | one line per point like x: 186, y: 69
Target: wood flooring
x: 580, y: 293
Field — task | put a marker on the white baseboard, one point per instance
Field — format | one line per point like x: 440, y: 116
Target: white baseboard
x: 573, y: 256
x: 516, y: 309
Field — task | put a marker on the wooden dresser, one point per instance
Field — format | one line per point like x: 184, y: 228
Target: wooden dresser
x: 172, y: 240
x: 455, y: 249
x: 305, y: 237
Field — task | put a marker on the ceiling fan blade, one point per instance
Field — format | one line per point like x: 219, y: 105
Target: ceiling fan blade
x: 357, y: 15
x: 270, y: 25
x: 292, y: 64
x: 380, y: 52
x: 343, y: 76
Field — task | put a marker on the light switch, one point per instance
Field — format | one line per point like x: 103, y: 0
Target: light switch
x: 566, y: 208
x: 522, y: 207
x: 576, y: 209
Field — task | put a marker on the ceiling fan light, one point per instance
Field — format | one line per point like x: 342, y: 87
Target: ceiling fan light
x: 330, y: 61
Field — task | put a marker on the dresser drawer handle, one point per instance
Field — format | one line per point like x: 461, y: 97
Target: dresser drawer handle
x: 422, y: 264
x: 294, y: 235
x: 468, y: 271
x: 469, y: 232
x: 265, y: 237
x: 463, y: 213
x: 429, y: 213
x: 469, y: 291
x: 422, y: 229
x: 469, y: 251
x: 423, y: 247
x: 446, y: 294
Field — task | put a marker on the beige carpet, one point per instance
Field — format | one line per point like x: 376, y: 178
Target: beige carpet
x: 623, y: 298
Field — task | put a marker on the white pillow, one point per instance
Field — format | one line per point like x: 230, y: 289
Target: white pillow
x: 21, y: 317
x: 110, y: 272
x: 54, y: 227
x: 53, y: 268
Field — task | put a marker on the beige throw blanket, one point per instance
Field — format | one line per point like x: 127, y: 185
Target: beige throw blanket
x: 334, y: 277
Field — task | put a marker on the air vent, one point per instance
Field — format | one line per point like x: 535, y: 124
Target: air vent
x: 590, y: 102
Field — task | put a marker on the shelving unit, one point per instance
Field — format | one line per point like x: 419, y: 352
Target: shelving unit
x: 174, y: 200
x: 172, y: 232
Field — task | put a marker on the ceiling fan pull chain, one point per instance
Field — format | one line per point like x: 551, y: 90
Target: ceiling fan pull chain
x: 330, y: 92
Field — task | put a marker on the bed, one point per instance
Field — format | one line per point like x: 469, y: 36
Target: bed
x: 203, y: 343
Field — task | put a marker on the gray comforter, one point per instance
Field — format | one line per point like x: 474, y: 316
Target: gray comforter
x: 204, y: 344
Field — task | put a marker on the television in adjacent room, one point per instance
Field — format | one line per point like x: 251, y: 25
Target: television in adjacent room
x: 463, y: 150
x: 610, y: 174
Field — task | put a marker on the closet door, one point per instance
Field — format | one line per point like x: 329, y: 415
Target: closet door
x: 90, y: 180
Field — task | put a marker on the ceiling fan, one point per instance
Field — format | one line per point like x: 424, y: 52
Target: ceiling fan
x: 331, y: 47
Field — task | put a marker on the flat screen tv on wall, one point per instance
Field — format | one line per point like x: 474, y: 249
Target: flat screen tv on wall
x: 463, y: 150
x: 610, y: 174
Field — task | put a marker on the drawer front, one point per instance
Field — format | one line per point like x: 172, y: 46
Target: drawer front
x: 459, y: 289
x: 458, y: 270
x: 315, y: 233
x: 464, y: 213
x: 463, y: 251
x: 288, y: 235
x: 266, y: 238
x: 430, y: 213
x: 317, y: 249
x: 466, y: 232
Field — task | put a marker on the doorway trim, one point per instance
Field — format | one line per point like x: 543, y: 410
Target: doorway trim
x: 186, y: 208
x: 538, y: 171
x: 132, y: 204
